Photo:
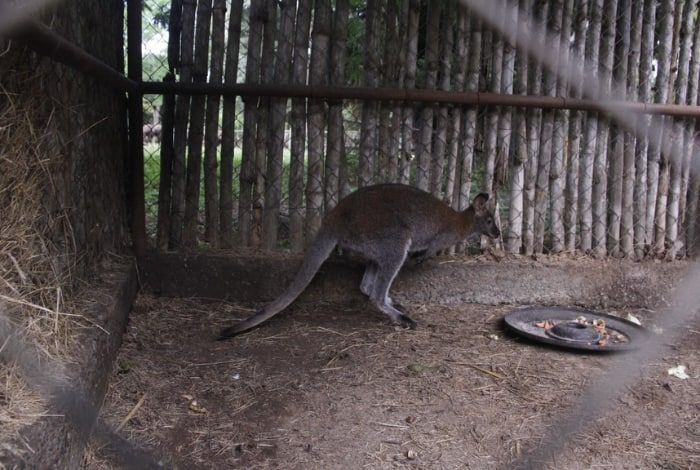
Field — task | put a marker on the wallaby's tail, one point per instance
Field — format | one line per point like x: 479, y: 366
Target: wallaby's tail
x: 320, y: 249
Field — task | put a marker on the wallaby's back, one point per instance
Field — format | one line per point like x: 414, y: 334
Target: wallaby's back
x: 378, y: 212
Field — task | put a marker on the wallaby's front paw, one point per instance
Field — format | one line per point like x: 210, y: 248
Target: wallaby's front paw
x: 406, y: 322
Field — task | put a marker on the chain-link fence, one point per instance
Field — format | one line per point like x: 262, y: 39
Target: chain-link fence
x: 262, y: 171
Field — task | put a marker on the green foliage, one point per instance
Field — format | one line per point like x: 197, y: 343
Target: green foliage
x: 156, y: 15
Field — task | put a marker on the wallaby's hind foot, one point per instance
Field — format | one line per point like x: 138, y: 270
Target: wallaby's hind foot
x: 405, y: 322
x: 227, y: 333
x: 395, y: 314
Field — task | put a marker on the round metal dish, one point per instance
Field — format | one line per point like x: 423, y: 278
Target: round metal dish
x: 566, y: 334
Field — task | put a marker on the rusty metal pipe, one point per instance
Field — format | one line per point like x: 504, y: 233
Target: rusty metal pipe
x: 45, y: 42
x: 415, y: 95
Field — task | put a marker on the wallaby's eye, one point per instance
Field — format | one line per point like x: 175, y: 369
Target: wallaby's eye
x: 489, y: 220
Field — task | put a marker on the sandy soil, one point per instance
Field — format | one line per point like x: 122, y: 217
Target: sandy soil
x: 337, y: 386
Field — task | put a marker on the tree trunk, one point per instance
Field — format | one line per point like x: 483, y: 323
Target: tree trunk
x: 387, y: 161
x: 228, y: 131
x: 411, y: 47
x: 252, y: 75
x: 615, y: 174
x: 631, y: 172
x: 468, y: 141
x: 267, y: 71
x: 693, y: 219
x: 317, y: 117
x: 211, y: 135
x: 432, y: 49
x: 492, y: 112
x: 278, y: 116
x: 517, y: 169
x: 298, y: 123
x: 487, y: 40
x: 689, y: 204
x: 600, y: 166
x: 166, y: 168
x: 545, y: 156
x: 336, y: 133
x: 182, y: 111
x: 622, y: 154
x: 167, y: 149
x: 437, y: 171
x: 368, y: 130
x: 673, y: 218
x: 589, y: 152
x: 504, y: 118
x: 534, y: 122
x: 575, y: 129
x: 641, y: 238
x: 462, y: 40
x: 658, y: 176
x: 395, y: 146
x: 559, y: 138
x: 196, y: 131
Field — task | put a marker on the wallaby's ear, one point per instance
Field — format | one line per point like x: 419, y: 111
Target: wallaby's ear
x: 480, y: 202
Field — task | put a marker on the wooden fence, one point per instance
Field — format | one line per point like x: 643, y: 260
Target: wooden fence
x: 260, y: 170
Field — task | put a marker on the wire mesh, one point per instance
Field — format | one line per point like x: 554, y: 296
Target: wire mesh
x: 565, y: 181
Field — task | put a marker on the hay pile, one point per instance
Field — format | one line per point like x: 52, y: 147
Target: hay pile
x: 37, y: 253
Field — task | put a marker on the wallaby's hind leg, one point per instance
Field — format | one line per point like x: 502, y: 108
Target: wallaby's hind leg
x: 367, y: 284
x: 387, y: 270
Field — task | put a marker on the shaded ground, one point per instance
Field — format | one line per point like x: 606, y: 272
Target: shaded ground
x: 337, y: 386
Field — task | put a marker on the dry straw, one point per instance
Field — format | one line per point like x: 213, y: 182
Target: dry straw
x: 37, y: 253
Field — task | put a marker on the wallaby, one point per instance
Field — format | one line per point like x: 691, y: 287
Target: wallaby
x: 384, y: 224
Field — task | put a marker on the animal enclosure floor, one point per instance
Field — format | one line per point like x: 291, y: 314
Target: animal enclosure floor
x: 326, y: 386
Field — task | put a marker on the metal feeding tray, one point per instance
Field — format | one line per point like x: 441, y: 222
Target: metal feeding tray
x: 576, y: 328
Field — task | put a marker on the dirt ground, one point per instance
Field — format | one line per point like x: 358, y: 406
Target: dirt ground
x: 337, y: 386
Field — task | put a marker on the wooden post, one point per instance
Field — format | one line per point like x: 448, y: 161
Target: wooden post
x: 195, y: 133
x: 135, y: 159
x: 228, y: 127
x: 167, y: 146
x: 300, y: 63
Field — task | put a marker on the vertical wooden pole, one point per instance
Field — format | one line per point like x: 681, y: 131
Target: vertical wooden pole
x: 316, y: 118
x: 336, y: 158
x: 228, y: 126
x: 276, y: 127
x: 432, y: 58
x: 195, y: 132
x: 167, y: 146
x: 409, y: 82
x: 135, y: 159
x: 297, y: 121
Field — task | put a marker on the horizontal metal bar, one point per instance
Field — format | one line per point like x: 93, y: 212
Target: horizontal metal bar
x: 416, y: 95
x: 42, y: 40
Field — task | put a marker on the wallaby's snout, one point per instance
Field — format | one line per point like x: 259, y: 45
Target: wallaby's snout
x: 491, y: 229
x: 485, y: 210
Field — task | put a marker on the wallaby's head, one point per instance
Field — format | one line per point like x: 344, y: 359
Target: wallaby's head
x: 484, y: 220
